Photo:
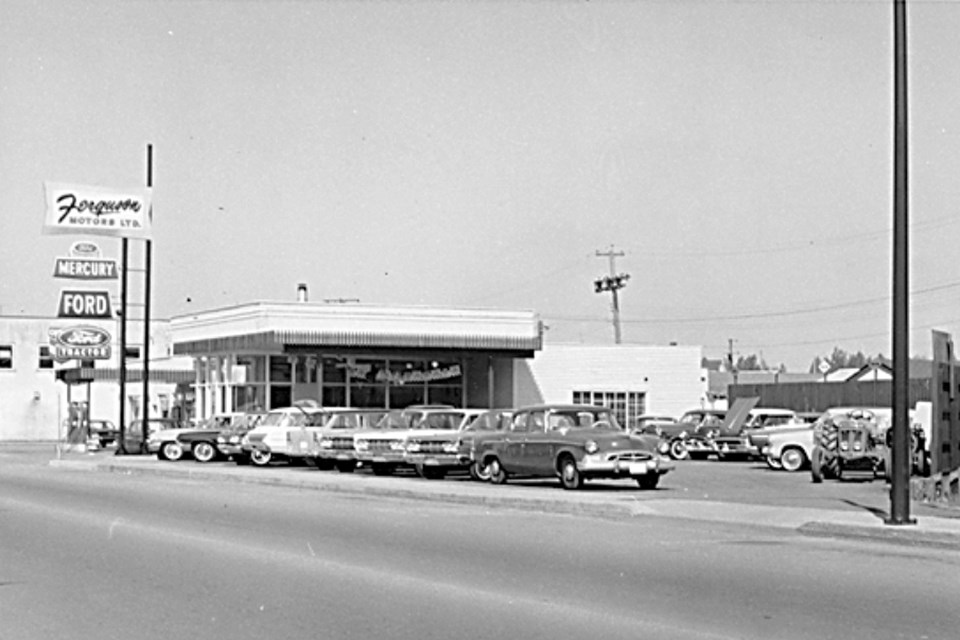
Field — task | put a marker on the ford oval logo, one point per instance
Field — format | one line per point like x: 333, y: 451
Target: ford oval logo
x: 85, y: 249
x: 82, y: 337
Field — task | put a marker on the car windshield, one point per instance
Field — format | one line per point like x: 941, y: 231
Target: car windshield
x: 397, y: 420
x: 446, y: 421
x: 290, y: 419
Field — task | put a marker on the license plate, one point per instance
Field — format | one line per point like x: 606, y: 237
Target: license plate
x: 640, y: 468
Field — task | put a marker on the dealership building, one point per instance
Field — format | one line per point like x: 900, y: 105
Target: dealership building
x: 264, y: 355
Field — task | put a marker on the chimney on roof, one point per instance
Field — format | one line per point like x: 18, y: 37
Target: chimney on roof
x: 302, y: 292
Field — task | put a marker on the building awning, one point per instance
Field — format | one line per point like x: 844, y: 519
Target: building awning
x: 92, y: 374
x: 279, y: 340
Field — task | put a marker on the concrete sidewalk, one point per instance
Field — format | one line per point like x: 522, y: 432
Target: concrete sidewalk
x: 620, y: 502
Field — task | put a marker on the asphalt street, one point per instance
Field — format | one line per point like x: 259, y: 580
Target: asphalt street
x: 95, y: 547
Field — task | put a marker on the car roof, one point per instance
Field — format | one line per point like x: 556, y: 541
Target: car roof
x: 563, y: 407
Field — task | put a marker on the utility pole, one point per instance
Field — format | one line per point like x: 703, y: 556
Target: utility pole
x: 612, y: 283
x: 900, y: 462
x: 732, y: 364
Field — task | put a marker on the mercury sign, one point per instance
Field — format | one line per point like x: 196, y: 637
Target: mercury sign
x: 85, y: 269
x: 97, y: 211
x: 84, y: 304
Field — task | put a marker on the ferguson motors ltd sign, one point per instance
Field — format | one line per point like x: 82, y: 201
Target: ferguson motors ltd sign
x: 97, y: 211
x: 80, y: 343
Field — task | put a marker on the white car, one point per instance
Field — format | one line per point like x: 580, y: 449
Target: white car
x: 283, y: 434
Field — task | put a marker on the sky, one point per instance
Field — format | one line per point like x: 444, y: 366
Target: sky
x: 735, y: 156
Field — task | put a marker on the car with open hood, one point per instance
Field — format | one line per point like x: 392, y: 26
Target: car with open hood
x: 733, y: 440
x: 573, y: 443
x: 691, y: 435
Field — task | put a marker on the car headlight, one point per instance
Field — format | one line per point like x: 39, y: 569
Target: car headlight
x: 413, y: 447
x: 451, y: 447
x: 326, y: 443
x: 245, y: 440
x: 234, y: 439
x: 845, y: 446
x: 397, y: 446
x: 361, y: 445
x: 590, y: 446
x: 221, y: 440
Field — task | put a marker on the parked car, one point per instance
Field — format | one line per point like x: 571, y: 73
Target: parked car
x: 334, y: 448
x: 201, y: 443
x: 280, y: 436
x: 688, y: 436
x: 104, y: 432
x: 434, y: 446
x: 490, y: 421
x: 384, y: 447
x: 733, y: 440
x: 228, y: 440
x: 573, y: 443
x: 133, y: 436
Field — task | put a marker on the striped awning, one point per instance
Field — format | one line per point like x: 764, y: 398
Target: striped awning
x: 91, y: 374
x: 278, y: 339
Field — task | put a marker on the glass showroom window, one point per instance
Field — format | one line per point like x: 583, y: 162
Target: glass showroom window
x: 6, y: 356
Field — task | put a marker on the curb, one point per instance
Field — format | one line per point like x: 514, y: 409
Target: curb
x: 937, y: 533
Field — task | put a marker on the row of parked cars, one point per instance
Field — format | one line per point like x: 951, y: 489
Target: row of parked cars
x: 573, y: 443
x: 784, y: 439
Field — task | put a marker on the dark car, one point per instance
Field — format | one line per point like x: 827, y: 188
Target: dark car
x: 201, y: 442
x: 133, y: 436
x: 686, y: 437
x: 573, y: 443
x: 104, y: 431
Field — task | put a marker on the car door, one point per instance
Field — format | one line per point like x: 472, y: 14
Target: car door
x: 540, y: 445
x: 511, y: 449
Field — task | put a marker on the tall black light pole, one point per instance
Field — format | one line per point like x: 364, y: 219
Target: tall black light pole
x: 900, y: 454
x: 148, y: 246
x: 122, y: 373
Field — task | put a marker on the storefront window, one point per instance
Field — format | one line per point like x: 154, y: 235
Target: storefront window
x: 280, y: 369
x: 251, y: 369
x: 249, y: 397
x: 280, y: 396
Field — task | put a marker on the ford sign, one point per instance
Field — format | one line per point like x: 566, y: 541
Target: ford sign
x: 81, y: 343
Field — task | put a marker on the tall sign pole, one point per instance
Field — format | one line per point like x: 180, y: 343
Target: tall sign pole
x: 122, y: 373
x: 900, y: 454
x: 148, y: 246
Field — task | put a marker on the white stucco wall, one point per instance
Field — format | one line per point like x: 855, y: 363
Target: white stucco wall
x: 670, y: 376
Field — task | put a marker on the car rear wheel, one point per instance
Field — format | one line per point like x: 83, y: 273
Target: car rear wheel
x: 678, y: 450
x: 774, y: 463
x: 204, y: 452
x: 260, y: 458
x: 793, y: 459
x: 498, y: 475
x: 570, y: 477
x: 649, y: 481
x: 170, y: 451
x: 479, y: 472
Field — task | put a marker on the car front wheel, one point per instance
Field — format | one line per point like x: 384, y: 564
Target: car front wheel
x: 570, y: 477
x: 260, y: 458
x: 204, y: 452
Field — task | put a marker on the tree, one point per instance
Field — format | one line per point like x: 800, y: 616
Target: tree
x: 841, y: 359
x: 753, y: 362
